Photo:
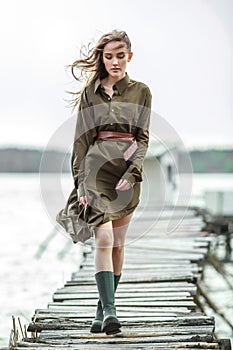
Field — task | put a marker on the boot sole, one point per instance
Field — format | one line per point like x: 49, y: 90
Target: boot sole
x: 96, y: 326
x: 111, y: 326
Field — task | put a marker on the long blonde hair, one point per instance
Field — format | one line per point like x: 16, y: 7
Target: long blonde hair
x: 90, y: 65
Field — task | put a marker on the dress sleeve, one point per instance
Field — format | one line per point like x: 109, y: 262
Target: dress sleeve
x: 85, y: 135
x: 134, y: 172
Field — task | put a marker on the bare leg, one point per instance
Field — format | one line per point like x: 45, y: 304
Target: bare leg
x: 120, y: 227
x: 109, y: 256
x: 103, y: 247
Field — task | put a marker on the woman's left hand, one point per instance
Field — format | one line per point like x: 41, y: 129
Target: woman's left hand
x: 123, y: 185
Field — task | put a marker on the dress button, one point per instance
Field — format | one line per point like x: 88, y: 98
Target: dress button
x: 113, y: 110
x: 109, y: 98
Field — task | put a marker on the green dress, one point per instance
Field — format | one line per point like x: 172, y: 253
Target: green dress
x: 98, y: 165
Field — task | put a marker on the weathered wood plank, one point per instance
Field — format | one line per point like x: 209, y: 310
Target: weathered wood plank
x: 134, y: 331
x: 137, y: 315
x: 122, y: 293
x: 125, y: 337
x: 171, y: 321
x: 172, y: 247
x: 182, y: 321
x: 168, y: 273
x: 89, y: 275
x: 77, y: 298
x: 138, y: 346
x: 64, y: 339
x: 152, y: 269
x: 121, y: 310
x: 156, y: 255
x: 124, y: 303
x: 163, y: 261
x: 157, y: 278
x: 124, y: 284
x: 155, y: 264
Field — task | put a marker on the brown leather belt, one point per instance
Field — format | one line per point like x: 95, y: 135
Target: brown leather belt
x: 123, y: 136
x: 106, y: 135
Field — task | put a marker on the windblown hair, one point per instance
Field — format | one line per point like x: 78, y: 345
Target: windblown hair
x: 90, y: 65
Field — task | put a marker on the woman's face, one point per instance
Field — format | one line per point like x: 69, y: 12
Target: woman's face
x: 115, y: 58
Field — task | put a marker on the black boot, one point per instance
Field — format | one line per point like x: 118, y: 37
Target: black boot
x: 105, y: 284
x: 97, y: 322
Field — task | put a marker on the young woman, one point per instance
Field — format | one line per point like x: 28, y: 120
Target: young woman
x: 111, y: 140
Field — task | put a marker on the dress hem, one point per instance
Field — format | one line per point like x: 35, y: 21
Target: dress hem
x: 117, y: 215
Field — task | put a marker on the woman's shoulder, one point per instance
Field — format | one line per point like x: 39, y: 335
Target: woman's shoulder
x: 87, y: 92
x: 139, y: 85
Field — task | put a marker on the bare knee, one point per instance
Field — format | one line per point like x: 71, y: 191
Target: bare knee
x: 104, y: 242
x: 104, y: 236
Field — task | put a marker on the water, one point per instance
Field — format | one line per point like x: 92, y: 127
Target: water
x: 27, y: 280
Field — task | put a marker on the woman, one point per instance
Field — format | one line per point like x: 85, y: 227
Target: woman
x: 110, y: 144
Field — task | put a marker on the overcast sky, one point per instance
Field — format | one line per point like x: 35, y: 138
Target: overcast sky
x: 183, y: 49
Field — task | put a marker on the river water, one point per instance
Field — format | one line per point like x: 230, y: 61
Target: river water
x: 29, y: 275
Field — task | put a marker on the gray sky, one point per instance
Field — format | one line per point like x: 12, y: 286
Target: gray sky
x: 182, y: 50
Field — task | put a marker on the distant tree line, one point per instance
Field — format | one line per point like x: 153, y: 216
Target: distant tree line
x: 35, y: 160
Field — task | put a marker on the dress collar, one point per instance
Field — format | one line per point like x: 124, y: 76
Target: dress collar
x: 120, y: 85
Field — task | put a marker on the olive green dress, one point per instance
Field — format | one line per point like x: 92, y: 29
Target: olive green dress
x: 98, y: 165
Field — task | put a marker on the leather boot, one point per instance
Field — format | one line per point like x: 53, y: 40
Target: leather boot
x: 106, y: 288
x: 97, y: 322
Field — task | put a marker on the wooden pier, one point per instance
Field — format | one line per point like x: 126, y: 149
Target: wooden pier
x: 156, y: 300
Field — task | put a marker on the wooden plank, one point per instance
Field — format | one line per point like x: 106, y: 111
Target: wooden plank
x: 148, y: 269
x: 136, y: 279
x: 79, y: 294
x: 145, y: 274
x: 89, y: 276
x: 65, y: 339
x: 137, y: 315
x: 160, y: 263
x: 121, y: 310
x: 134, y: 331
x: 124, y: 284
x: 156, y: 263
x: 154, y: 254
x: 163, y: 247
x: 154, y: 271
x: 139, y: 346
x: 124, y: 303
x: 119, y: 295
x: 171, y: 321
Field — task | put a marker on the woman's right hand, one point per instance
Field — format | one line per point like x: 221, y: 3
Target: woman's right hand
x: 83, y: 200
